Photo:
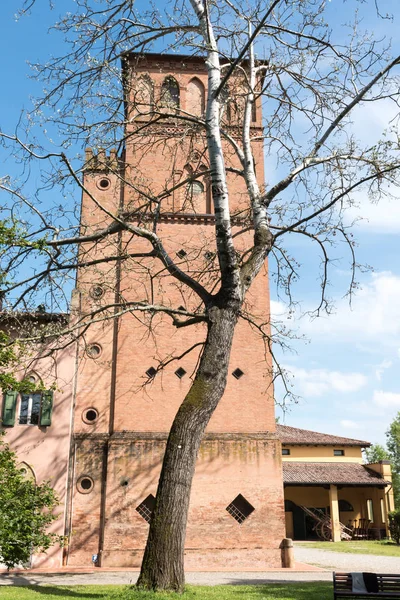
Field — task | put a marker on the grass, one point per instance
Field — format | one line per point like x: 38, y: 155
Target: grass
x: 295, y: 591
x: 380, y: 548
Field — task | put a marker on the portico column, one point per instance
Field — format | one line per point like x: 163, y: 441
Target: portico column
x: 334, y: 505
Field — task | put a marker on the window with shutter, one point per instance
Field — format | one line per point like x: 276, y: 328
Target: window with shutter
x: 9, y: 408
x: 36, y: 409
x: 29, y: 410
x: 47, y: 409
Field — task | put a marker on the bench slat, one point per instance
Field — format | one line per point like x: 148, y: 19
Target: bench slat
x: 388, y: 583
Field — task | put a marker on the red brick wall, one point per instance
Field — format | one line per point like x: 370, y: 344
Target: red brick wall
x: 242, y: 455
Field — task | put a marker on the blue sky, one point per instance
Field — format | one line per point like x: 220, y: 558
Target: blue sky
x: 347, y: 374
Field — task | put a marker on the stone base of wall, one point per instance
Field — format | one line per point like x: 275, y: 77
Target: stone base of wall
x: 106, y: 520
x: 210, y: 559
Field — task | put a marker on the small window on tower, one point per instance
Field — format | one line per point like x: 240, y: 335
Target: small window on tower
x: 253, y: 111
x: 145, y: 508
x: 195, y: 188
x: 238, y: 373
x: 240, y: 508
x: 180, y: 372
x: 170, y: 92
x: 151, y: 372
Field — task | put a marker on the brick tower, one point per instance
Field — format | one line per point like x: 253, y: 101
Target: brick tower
x: 122, y: 411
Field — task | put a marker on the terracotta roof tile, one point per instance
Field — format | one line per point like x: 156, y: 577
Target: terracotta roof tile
x: 293, y: 435
x: 330, y: 473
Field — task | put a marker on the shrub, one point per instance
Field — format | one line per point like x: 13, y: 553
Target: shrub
x: 26, y: 511
x: 394, y: 525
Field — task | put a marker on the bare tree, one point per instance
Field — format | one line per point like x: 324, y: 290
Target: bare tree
x: 278, y: 52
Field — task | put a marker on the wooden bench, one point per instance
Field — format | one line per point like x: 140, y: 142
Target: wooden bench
x: 389, y: 586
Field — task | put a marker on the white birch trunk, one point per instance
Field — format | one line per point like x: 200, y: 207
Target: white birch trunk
x: 230, y: 279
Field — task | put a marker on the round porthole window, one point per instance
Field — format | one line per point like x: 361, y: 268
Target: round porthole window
x: 90, y: 415
x: 93, y: 350
x: 97, y: 292
x: 103, y: 183
x: 85, y: 484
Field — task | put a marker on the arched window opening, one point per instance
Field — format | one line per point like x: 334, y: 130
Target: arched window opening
x: 170, y: 92
x: 225, y: 107
x: 345, y: 506
x: 206, y: 179
x: 195, y: 188
x: 195, y: 97
x: 236, y: 109
x: 254, y: 111
x: 195, y: 191
x: 144, y: 95
x: 27, y: 472
x: 33, y: 378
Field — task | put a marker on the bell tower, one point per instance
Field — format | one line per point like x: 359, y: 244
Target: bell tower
x: 134, y: 368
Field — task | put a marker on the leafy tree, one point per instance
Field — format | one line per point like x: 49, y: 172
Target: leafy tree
x: 394, y: 525
x: 392, y: 453
x: 393, y: 446
x: 376, y: 453
x: 311, y: 79
x: 26, y: 511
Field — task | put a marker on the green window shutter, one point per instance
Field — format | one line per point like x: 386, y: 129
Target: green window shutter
x: 47, y: 409
x: 9, y: 408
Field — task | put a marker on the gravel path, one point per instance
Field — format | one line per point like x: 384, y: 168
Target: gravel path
x: 342, y: 561
x: 323, y: 558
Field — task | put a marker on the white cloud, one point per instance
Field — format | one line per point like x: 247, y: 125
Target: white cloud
x: 278, y: 310
x: 386, y: 399
x: 380, y: 217
x: 383, y: 216
x: 346, y: 424
x: 378, y: 115
x: 373, y: 319
x: 318, y: 382
x: 381, y: 368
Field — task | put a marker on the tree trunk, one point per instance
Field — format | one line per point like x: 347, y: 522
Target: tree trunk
x: 163, y: 561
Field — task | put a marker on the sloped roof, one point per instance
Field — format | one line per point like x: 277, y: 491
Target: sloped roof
x: 307, y: 473
x: 304, y: 437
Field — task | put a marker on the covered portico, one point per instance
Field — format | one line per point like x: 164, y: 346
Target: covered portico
x: 356, y: 495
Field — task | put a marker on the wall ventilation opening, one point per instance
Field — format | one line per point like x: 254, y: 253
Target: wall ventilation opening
x: 93, y: 350
x: 85, y: 484
x: 90, y: 415
x: 182, y: 253
x: 240, y: 508
x: 96, y: 292
x: 238, y: 373
x: 180, y: 372
x: 209, y: 255
x: 151, y: 372
x: 103, y: 183
x: 145, y: 508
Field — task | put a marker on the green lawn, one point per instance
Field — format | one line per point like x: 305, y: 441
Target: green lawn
x: 381, y: 548
x: 295, y: 591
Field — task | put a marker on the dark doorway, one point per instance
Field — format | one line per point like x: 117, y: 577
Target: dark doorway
x: 299, y: 521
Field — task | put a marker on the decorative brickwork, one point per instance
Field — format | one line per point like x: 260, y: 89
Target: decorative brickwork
x: 122, y: 449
